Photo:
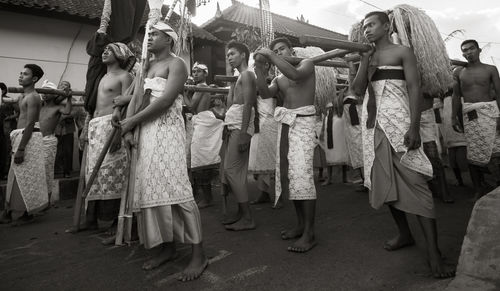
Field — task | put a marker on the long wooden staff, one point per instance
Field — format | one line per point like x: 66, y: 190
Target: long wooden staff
x: 77, y: 211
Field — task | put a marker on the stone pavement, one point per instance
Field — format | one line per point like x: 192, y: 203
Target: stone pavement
x: 349, y: 256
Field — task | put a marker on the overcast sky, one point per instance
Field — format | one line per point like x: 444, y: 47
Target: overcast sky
x: 480, y: 19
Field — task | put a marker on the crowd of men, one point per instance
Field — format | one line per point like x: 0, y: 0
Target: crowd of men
x: 389, y: 134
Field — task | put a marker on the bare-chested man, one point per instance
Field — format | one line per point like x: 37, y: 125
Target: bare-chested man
x: 111, y: 181
x: 480, y: 113
x: 394, y: 162
x: 296, y: 134
x: 27, y: 184
x: 239, y: 123
x: 167, y: 212
x: 206, y: 139
x: 50, y: 113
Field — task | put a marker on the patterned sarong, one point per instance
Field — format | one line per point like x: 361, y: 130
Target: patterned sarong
x: 50, y: 144
x: 163, y: 195
x: 206, y: 141
x: 161, y: 174
x: 393, y: 116
x: 353, y: 131
x: 480, y: 129
x: 262, y: 159
x: 294, y: 164
x: 30, y: 174
x: 111, y: 180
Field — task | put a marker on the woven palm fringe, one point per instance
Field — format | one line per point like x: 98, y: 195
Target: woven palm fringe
x: 417, y: 30
x: 326, y: 79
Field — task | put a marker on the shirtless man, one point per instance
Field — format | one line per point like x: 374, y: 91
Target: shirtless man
x: 26, y: 185
x: 480, y: 113
x: 296, y: 134
x: 111, y: 181
x: 240, y: 128
x: 391, y: 138
x: 206, y: 139
x: 50, y: 113
x: 167, y: 212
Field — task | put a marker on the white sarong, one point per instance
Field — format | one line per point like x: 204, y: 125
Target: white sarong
x: 207, y: 140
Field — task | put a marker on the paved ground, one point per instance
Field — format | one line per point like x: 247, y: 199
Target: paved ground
x: 349, y: 256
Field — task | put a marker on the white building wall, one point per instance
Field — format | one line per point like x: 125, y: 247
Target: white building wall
x: 58, y: 46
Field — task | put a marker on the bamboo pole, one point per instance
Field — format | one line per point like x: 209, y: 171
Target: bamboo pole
x: 458, y: 63
x: 333, y: 43
x: 77, y: 211
x: 46, y: 91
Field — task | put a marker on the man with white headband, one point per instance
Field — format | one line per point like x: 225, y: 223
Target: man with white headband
x: 50, y: 113
x: 206, y: 140
x: 163, y: 198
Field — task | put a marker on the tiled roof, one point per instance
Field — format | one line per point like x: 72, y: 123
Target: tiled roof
x: 85, y: 9
x: 247, y: 15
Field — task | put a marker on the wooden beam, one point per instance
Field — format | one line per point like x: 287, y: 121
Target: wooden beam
x: 333, y: 43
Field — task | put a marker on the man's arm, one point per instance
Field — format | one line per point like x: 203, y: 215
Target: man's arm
x: 360, y: 82
x: 455, y: 100
x: 496, y: 83
x: 265, y: 91
x: 66, y: 110
x: 230, y: 94
x: 33, y: 112
x: 249, y: 96
x: 174, y: 86
x: 413, y: 84
x: 302, y: 71
x: 197, y: 97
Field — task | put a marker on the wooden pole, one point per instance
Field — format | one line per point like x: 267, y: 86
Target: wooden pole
x: 333, y: 43
x: 46, y: 91
x: 77, y: 211
x: 99, y: 161
x: 458, y: 63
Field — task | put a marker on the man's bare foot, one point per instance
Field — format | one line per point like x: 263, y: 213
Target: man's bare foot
x: 24, y: 219
x: 439, y: 269
x: 304, y: 244
x: 5, y: 218
x: 398, y: 242
x: 326, y: 182
x: 291, y: 233
x: 241, y: 225
x: 361, y: 188
x: 194, y: 270
x: 82, y: 227
x: 231, y: 219
x: 278, y: 205
x: 165, y: 255
x: 263, y: 198
x: 448, y: 199
x: 204, y: 204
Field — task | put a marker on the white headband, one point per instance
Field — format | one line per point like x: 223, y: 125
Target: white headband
x: 162, y: 26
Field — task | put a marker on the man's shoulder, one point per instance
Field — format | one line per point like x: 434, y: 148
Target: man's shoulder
x: 247, y: 75
x: 33, y: 97
x: 401, y: 49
